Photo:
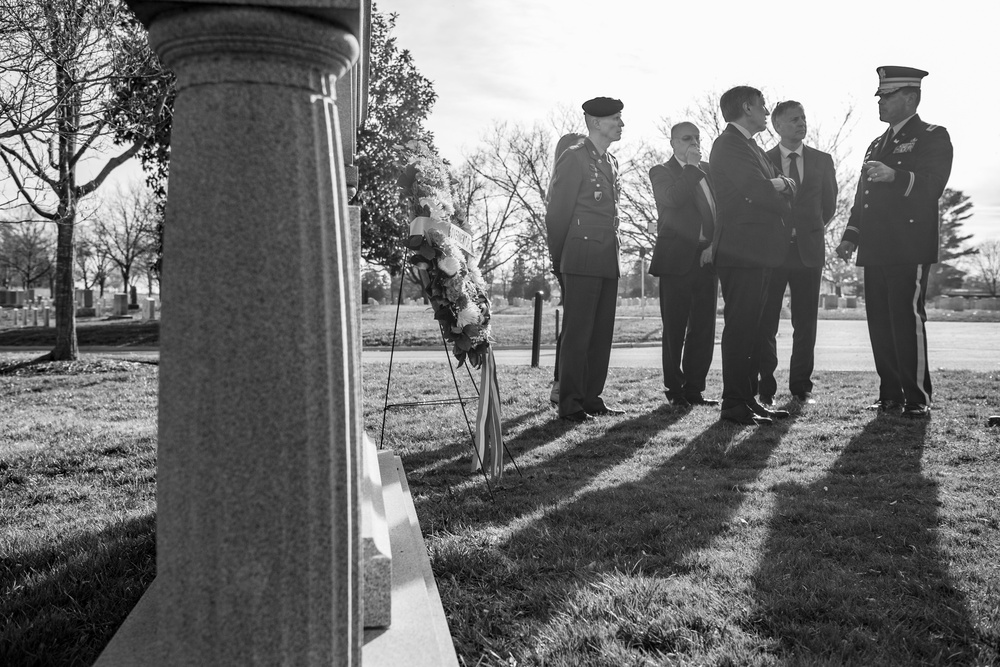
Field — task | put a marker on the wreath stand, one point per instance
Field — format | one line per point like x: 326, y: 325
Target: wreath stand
x: 460, y: 400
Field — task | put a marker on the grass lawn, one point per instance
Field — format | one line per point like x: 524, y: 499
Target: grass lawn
x: 837, y: 537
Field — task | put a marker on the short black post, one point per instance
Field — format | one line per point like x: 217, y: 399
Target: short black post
x: 536, y: 332
x: 558, y: 345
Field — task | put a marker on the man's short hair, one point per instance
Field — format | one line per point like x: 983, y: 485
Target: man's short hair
x: 732, y: 101
x: 676, y: 128
x: 781, y: 107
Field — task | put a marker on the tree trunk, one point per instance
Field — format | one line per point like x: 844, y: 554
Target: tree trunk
x: 68, y: 123
x: 66, y: 347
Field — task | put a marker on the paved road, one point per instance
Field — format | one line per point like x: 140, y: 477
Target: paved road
x: 840, y: 345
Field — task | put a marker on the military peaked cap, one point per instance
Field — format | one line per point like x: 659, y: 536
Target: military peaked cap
x: 893, y: 77
x: 602, y: 106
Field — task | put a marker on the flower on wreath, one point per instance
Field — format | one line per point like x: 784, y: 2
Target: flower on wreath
x: 454, y: 287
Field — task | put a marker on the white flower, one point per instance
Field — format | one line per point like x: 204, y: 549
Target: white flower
x: 468, y: 315
x: 449, y: 265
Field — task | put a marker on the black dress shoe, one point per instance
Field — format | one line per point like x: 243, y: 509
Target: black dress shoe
x: 993, y: 420
x: 883, y: 405
x: 578, y: 416
x: 762, y: 411
x: 678, y: 402
x: 766, y: 400
x: 698, y: 399
x: 804, y: 397
x: 605, y: 410
x: 916, y: 411
x: 743, y: 415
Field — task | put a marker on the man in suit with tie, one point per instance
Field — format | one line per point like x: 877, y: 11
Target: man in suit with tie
x: 894, y: 227
x: 751, y: 199
x: 581, y: 221
x: 805, y: 254
x: 682, y: 259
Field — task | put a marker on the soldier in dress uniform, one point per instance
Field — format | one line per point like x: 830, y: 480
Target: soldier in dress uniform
x: 894, y: 227
x: 582, y: 224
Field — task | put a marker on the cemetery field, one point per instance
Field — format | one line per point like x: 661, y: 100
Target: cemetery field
x: 416, y: 327
x: 836, y: 537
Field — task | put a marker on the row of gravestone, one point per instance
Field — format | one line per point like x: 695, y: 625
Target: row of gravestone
x: 42, y: 311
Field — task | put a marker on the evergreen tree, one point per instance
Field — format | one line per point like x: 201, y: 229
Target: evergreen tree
x: 954, y: 208
x: 399, y: 101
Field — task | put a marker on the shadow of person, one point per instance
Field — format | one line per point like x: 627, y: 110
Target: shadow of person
x: 544, y: 478
x: 653, y: 524
x: 851, y: 572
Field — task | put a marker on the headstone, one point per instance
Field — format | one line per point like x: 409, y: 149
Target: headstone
x: 48, y: 315
x: 88, y: 298
x: 133, y: 297
x: 958, y: 304
x: 830, y: 302
x: 851, y: 302
x: 121, y: 304
x: 34, y: 317
x: 374, y: 302
x: 149, y: 312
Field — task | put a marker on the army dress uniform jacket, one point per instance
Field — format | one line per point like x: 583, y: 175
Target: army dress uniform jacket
x: 680, y: 219
x: 897, y: 222
x: 749, y: 231
x: 582, y: 215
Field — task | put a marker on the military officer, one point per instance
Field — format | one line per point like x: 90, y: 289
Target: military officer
x: 582, y: 225
x: 894, y: 228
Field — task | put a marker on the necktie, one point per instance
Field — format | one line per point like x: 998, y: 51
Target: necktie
x: 888, y: 140
x: 793, y: 168
x: 705, y: 208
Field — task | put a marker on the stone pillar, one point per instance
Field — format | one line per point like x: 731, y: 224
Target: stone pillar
x: 259, y: 418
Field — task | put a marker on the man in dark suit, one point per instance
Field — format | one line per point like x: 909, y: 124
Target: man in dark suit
x: 805, y: 254
x: 750, y: 238
x: 682, y: 259
x: 582, y: 225
x: 894, y: 227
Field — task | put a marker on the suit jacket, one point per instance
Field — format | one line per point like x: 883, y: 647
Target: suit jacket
x: 815, y: 202
x: 680, y: 220
x: 749, y: 231
x: 897, y: 222
x: 581, y: 218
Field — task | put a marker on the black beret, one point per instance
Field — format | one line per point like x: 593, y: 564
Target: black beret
x: 602, y: 106
x: 893, y: 77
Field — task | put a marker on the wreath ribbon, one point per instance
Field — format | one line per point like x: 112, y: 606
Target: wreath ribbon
x: 488, y: 438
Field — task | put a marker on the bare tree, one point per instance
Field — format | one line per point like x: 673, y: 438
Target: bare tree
x: 62, y: 61
x: 505, y: 186
x: 986, y: 265
x: 92, y: 264
x: 125, y: 230
x: 26, y: 251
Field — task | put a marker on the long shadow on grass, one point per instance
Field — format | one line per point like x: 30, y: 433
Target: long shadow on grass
x: 61, y: 604
x: 852, y: 573
x: 542, y: 481
x: 655, y: 523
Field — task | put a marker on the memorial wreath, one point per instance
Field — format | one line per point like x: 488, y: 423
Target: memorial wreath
x: 442, y: 253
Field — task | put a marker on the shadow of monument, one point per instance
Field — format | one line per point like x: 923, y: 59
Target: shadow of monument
x: 851, y: 573
x: 81, y: 587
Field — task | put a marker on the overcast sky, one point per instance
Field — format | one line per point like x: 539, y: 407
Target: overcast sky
x: 524, y: 60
